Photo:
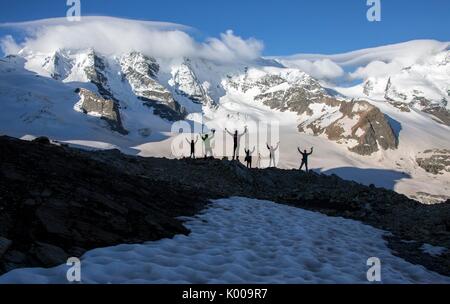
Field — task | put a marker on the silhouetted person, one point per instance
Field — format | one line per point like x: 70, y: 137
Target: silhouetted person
x: 305, y: 156
x: 192, y: 143
x: 272, y: 154
x: 207, y: 139
x: 236, y: 142
x: 249, y: 157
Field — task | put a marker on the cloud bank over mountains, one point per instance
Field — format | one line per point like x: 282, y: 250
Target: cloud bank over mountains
x: 378, y: 61
x: 111, y: 35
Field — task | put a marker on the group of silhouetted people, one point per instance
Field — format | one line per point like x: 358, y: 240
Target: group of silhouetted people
x: 207, y: 139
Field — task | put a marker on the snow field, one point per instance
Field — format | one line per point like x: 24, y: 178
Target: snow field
x: 240, y: 240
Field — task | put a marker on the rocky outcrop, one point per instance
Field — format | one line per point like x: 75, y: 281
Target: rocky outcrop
x: 141, y: 73
x: 185, y: 83
x: 106, y: 109
x: 358, y: 124
x: 372, y: 130
x: 391, y: 93
x: 296, y: 98
x: 368, y: 88
x: 441, y: 114
x: 435, y: 161
x: 428, y: 198
x: 95, y: 71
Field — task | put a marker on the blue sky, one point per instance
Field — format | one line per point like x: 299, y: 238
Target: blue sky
x: 285, y: 26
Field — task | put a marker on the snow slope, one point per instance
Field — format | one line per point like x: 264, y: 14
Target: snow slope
x: 240, y: 240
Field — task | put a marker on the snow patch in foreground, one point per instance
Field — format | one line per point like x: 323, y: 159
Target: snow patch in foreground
x: 240, y: 240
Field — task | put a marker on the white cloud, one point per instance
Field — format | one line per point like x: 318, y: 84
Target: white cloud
x: 8, y: 45
x: 232, y: 47
x: 372, y: 62
x: 321, y: 69
x: 110, y: 35
x: 377, y: 69
x: 407, y: 52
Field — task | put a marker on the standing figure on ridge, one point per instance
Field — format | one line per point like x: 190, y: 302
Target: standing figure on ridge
x: 272, y: 154
x: 236, y: 142
x: 305, y: 156
x: 192, y: 143
x: 249, y: 157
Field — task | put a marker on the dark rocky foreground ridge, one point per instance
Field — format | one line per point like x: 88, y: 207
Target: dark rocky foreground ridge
x: 57, y: 202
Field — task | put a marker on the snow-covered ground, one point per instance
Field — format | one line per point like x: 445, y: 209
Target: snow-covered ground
x: 241, y: 240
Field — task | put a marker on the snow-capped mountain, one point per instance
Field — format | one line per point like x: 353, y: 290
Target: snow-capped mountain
x: 412, y: 75
x: 423, y: 86
x: 174, y: 90
x: 131, y: 99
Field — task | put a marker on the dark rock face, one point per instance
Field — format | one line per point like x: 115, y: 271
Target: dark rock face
x: 43, y: 140
x: 391, y: 93
x: 434, y: 161
x: 368, y: 88
x: 141, y: 73
x: 357, y: 121
x: 442, y: 114
x: 96, y: 74
x: 48, y: 254
x: 376, y: 132
x: 187, y: 84
x: 164, y: 111
x: 106, y: 109
x: 58, y: 202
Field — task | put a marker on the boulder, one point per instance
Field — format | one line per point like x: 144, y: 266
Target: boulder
x: 42, y: 140
x: 49, y: 255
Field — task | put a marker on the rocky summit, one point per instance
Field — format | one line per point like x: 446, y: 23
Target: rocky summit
x: 58, y: 201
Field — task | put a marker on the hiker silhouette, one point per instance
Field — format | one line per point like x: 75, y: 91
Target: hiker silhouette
x: 272, y: 154
x: 305, y: 156
x: 192, y: 143
x: 236, y: 142
x: 249, y: 157
x: 207, y: 140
